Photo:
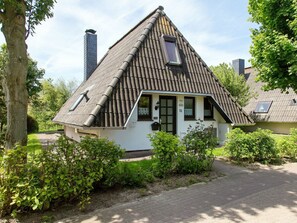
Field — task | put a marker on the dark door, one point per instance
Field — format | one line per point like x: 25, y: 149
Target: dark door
x: 168, y: 114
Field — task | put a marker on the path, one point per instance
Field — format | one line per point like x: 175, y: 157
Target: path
x: 264, y: 195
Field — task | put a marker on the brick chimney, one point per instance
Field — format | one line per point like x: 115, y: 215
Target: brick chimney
x: 90, y: 53
x: 238, y: 66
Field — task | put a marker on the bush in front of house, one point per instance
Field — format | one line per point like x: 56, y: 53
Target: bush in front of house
x: 65, y: 171
x: 199, y: 143
x: 288, y: 146
x: 167, y: 148
x: 256, y: 146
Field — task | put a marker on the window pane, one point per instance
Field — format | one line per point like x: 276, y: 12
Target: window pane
x: 189, y: 107
x: 144, y: 104
x: 263, y: 106
x: 170, y: 111
x: 208, y: 109
x: 170, y: 127
x: 171, y: 51
x: 169, y: 119
x: 163, y: 127
x: 144, y: 107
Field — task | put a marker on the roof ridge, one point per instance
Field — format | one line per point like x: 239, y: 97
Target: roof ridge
x: 205, y: 65
x: 125, y: 63
x: 149, y: 15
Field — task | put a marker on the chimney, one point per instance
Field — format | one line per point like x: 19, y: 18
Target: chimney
x: 238, y: 66
x: 90, y: 53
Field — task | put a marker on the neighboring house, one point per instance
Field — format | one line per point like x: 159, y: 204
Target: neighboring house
x: 150, y: 79
x: 273, y: 109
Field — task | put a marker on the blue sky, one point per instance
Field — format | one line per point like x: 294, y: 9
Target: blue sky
x: 217, y: 29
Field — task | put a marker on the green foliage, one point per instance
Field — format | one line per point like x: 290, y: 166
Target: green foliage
x: 32, y: 125
x: 48, y: 102
x: 166, y: 150
x: 129, y: 174
x: 274, y: 43
x: 200, y: 140
x: 63, y: 172
x: 233, y: 82
x: 288, y: 146
x: 189, y: 163
x: 256, y: 146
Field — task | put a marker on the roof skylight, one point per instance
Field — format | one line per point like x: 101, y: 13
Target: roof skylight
x: 79, y: 99
x: 263, y: 106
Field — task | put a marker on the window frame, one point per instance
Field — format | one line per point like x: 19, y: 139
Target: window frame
x: 211, y: 116
x: 145, y: 117
x: 259, y: 104
x: 78, y: 100
x: 172, y: 39
x: 193, y: 116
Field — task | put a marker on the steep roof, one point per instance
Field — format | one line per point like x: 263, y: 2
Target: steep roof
x: 282, y: 108
x: 135, y: 63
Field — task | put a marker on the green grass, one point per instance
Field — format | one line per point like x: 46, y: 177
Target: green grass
x: 219, y: 151
x: 34, y: 145
x: 140, y: 164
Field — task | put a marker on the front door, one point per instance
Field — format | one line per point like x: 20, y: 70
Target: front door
x: 168, y: 114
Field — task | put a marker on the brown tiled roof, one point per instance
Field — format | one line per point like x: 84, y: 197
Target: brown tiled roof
x: 282, y: 108
x: 135, y: 63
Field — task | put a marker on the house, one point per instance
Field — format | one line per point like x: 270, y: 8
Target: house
x: 150, y: 79
x: 272, y: 109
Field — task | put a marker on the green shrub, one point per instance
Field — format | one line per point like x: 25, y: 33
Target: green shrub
x: 63, y: 172
x: 288, y: 146
x: 188, y: 163
x: 256, y: 146
x: 128, y: 174
x: 263, y: 145
x: 166, y: 150
x: 200, y: 140
x: 32, y: 124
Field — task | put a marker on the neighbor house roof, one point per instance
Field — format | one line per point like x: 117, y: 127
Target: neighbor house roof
x: 135, y: 63
x: 283, y: 106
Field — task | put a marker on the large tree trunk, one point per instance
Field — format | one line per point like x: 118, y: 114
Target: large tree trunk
x: 16, y: 96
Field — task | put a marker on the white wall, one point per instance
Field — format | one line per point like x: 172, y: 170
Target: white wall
x: 134, y: 136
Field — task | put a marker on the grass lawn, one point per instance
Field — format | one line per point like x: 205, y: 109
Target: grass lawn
x: 142, y: 164
x: 34, y: 145
x: 219, y: 151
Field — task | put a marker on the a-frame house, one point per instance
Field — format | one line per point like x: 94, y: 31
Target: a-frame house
x: 150, y: 79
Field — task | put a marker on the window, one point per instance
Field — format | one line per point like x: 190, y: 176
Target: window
x: 145, y: 108
x: 293, y: 102
x: 263, y: 106
x: 170, y: 50
x: 208, y: 109
x: 189, y: 108
x: 80, y: 98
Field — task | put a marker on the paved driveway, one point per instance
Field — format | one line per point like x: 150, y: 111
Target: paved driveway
x: 264, y: 195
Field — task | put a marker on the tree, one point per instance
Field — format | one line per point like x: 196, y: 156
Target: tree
x: 19, y: 19
x: 47, y: 103
x: 234, y: 83
x: 274, y: 42
x: 33, y: 84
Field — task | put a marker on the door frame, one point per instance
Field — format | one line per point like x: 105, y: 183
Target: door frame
x: 174, y: 121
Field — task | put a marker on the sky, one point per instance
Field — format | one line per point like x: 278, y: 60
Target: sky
x: 218, y: 30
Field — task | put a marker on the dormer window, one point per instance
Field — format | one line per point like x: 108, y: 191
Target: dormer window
x: 80, y: 98
x: 263, y: 106
x: 170, y: 50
